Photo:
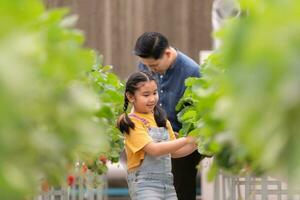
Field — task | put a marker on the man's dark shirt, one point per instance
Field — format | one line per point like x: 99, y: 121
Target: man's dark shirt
x: 171, y: 84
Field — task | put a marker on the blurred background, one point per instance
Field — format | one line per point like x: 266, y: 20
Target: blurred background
x: 112, y: 26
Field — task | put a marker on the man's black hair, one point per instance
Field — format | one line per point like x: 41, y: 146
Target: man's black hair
x: 151, y: 45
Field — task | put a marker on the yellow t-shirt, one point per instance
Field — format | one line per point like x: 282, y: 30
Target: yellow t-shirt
x: 138, y: 137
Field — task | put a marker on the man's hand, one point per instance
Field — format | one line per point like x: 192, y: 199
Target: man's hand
x: 191, y: 139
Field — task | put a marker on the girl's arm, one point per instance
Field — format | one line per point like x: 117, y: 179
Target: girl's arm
x: 162, y: 148
x: 184, y: 151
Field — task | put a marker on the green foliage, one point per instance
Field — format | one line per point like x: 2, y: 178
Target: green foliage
x: 197, y: 105
x: 110, y: 92
x: 52, y: 111
x: 247, y: 104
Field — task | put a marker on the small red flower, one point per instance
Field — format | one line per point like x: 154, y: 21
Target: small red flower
x: 70, y: 180
x: 84, y: 168
x: 103, y: 159
x: 45, y: 186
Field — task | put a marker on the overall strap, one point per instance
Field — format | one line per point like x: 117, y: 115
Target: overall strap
x: 145, y: 122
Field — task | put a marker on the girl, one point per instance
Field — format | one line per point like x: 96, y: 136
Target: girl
x: 149, y: 141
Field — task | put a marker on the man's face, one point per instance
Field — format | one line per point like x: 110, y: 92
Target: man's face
x: 158, y: 65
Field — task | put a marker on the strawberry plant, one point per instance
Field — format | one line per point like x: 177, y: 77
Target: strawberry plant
x: 245, y: 109
x: 110, y: 91
x: 54, y: 100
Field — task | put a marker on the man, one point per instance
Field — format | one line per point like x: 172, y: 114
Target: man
x: 171, y: 68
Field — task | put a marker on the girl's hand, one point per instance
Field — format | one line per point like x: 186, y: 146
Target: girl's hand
x: 176, y: 134
x: 191, y: 139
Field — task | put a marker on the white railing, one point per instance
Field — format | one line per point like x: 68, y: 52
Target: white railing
x: 252, y: 188
x: 227, y: 187
x: 87, y: 187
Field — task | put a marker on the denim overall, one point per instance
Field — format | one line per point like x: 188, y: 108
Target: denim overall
x: 153, y: 180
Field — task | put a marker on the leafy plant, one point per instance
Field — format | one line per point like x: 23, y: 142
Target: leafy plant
x: 54, y: 110
x: 247, y: 104
x: 110, y: 91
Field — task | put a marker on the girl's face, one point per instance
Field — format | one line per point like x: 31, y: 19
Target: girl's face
x: 145, y: 97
